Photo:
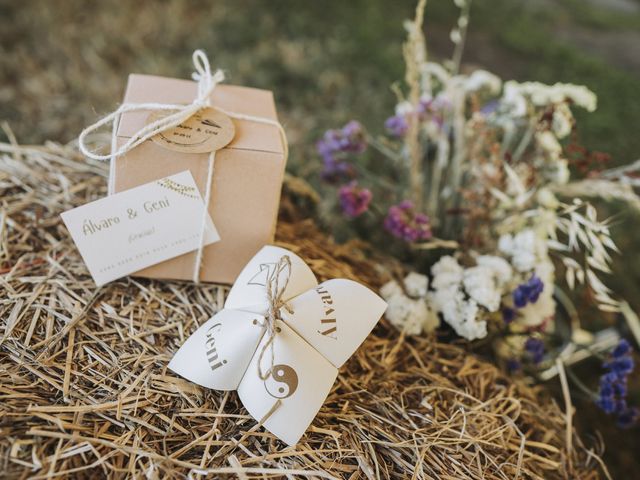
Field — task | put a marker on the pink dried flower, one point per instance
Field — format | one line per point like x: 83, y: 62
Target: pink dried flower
x: 354, y: 199
x: 404, y: 222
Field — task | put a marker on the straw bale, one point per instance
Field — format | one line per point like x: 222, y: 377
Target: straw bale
x: 85, y: 391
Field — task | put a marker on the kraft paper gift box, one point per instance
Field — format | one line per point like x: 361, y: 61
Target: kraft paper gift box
x: 247, y: 178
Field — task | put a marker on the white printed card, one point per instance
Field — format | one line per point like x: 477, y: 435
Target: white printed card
x: 131, y: 230
x: 320, y: 327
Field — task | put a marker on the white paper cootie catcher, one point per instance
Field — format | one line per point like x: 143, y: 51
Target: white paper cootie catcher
x: 315, y: 330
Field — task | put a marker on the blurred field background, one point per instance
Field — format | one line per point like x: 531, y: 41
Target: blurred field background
x: 63, y: 64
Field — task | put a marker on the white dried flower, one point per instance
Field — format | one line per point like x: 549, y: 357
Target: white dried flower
x: 471, y: 328
x: 446, y: 272
x: 481, y: 79
x: 542, y: 95
x: 522, y: 249
x: 548, y: 142
x: 480, y: 284
x: 407, y: 315
x: 562, y: 120
x: 513, y: 100
x: 524, y: 261
x: 579, y: 95
x: 410, y: 315
x: 404, y: 108
x: 437, y: 71
x: 501, y: 269
x: 524, y: 239
x: 440, y: 297
x: 455, y: 36
x: 390, y: 289
x: 416, y: 284
x: 505, y: 244
x: 558, y: 172
x: 461, y: 314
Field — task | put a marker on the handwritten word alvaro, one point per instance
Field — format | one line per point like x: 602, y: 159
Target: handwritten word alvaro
x: 91, y: 226
x: 328, y: 323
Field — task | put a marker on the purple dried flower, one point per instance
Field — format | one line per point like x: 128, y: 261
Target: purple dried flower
x: 348, y: 139
x: 623, y: 348
x: 404, y: 222
x: 513, y: 365
x: 528, y: 292
x: 535, y: 348
x: 439, y: 107
x: 612, y: 395
x: 606, y: 389
x: 489, y: 107
x: 427, y: 109
x: 622, y: 366
x: 628, y: 418
x: 354, y: 200
x: 621, y: 405
x: 606, y: 404
x: 355, y: 133
x: 608, y: 379
x: 519, y: 298
x: 335, y: 145
x: 508, y: 314
x: 335, y: 171
x: 424, y: 107
x: 397, y: 125
x: 620, y: 389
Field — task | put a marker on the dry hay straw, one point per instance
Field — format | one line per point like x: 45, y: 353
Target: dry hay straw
x: 85, y: 391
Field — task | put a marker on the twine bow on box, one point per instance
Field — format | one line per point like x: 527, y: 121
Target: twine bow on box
x: 207, y: 83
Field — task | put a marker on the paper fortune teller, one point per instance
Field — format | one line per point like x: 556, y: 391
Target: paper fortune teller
x: 280, y: 339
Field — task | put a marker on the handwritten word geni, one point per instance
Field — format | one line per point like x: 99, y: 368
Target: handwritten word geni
x: 212, y: 351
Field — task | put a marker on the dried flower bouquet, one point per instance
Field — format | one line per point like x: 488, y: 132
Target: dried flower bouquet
x: 487, y: 177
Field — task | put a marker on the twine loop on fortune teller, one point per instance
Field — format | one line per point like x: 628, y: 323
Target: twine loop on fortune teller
x: 275, y: 291
x: 207, y: 83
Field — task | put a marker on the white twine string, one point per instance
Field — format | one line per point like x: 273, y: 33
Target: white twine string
x: 203, y: 223
x: 112, y: 164
x: 206, y: 84
x: 275, y: 289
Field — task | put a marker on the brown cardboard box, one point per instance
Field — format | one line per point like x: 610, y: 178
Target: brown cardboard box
x: 247, y: 178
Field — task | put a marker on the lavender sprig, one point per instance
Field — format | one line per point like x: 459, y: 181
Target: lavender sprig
x: 612, y: 394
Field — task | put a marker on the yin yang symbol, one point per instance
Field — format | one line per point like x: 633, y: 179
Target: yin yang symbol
x: 282, y: 382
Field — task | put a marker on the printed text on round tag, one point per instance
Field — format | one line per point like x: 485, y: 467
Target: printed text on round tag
x: 205, y: 131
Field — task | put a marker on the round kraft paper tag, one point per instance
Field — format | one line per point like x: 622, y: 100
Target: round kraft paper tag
x: 205, y: 131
